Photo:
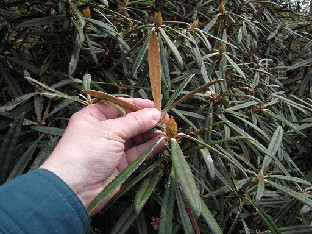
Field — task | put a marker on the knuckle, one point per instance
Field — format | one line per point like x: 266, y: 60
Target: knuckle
x: 138, y: 120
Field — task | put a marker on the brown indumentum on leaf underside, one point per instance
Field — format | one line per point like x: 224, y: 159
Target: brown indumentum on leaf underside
x: 155, y: 69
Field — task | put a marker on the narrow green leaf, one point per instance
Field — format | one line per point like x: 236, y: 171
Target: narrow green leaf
x: 303, y: 63
x: 235, y: 66
x: 164, y: 66
x: 145, y: 190
x: 165, y: 225
x: 14, y: 87
x: 172, y: 47
x: 8, y: 147
x: 209, y: 219
x: 109, y: 30
x: 290, y: 178
x: 246, y: 227
x: 42, y: 21
x: 186, y: 222
x: 192, y: 93
x: 177, y: 92
x: 126, y: 187
x: 47, y: 62
x: 92, y: 51
x: 209, y: 162
x: 44, y: 153
x: 304, y: 198
x: 125, y: 220
x: 260, y: 188
x: 26, y: 64
x: 242, y: 106
x: 204, y: 39
x: 141, y: 54
x: 279, y: 118
x: 121, y: 178
x: 211, y: 23
x: 49, y: 130
x: 141, y: 224
x: 185, y: 178
x: 273, y: 147
x: 16, y: 101
x: 86, y: 82
x: 23, y: 161
x: 265, y: 217
x: 240, y: 35
x: 38, y: 105
x: 54, y: 92
x: 297, y: 229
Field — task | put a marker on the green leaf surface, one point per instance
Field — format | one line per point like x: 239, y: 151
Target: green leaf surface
x: 210, y: 219
x: 141, y: 54
x: 49, y: 130
x: 8, y: 146
x: 185, y: 178
x: 167, y: 205
x: 121, y: 178
x: 42, y: 21
x: 304, y: 198
x: 273, y: 147
x: 146, y: 189
x: 172, y: 47
x: 185, y: 219
x: 125, y: 220
x: 266, y: 218
x: 177, y: 92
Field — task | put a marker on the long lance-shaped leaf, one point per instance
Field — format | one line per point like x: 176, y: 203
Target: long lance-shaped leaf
x: 16, y: 101
x: 265, y: 217
x: 139, y: 57
x: 274, y: 145
x: 145, y: 190
x: 210, y: 148
x: 177, y: 92
x: 260, y: 186
x: 125, y: 220
x: 185, y: 219
x: 55, y: 93
x: 172, y: 47
x: 290, y: 178
x: 165, y: 225
x: 235, y: 66
x: 21, y: 164
x: 185, y: 177
x: 209, y: 162
x: 126, y: 187
x: 121, y: 178
x: 304, y: 198
x: 192, y: 93
x: 8, y: 147
x: 107, y: 97
x: 210, y: 220
x: 155, y: 69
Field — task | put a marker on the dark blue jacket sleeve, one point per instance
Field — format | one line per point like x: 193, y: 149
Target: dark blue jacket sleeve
x: 40, y: 202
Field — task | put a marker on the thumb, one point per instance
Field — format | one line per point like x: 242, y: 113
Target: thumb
x: 137, y: 122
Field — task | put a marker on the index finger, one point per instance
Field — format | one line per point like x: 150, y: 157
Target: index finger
x: 112, y: 112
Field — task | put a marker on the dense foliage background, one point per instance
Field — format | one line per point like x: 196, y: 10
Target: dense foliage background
x: 255, y: 174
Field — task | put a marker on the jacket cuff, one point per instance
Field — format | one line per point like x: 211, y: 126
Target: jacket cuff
x: 41, y: 202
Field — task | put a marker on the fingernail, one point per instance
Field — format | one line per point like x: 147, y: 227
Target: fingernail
x: 155, y: 113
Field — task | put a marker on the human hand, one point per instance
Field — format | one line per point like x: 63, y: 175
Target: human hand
x: 99, y: 143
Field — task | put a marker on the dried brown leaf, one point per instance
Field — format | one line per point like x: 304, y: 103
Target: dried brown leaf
x: 107, y: 97
x: 154, y: 69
